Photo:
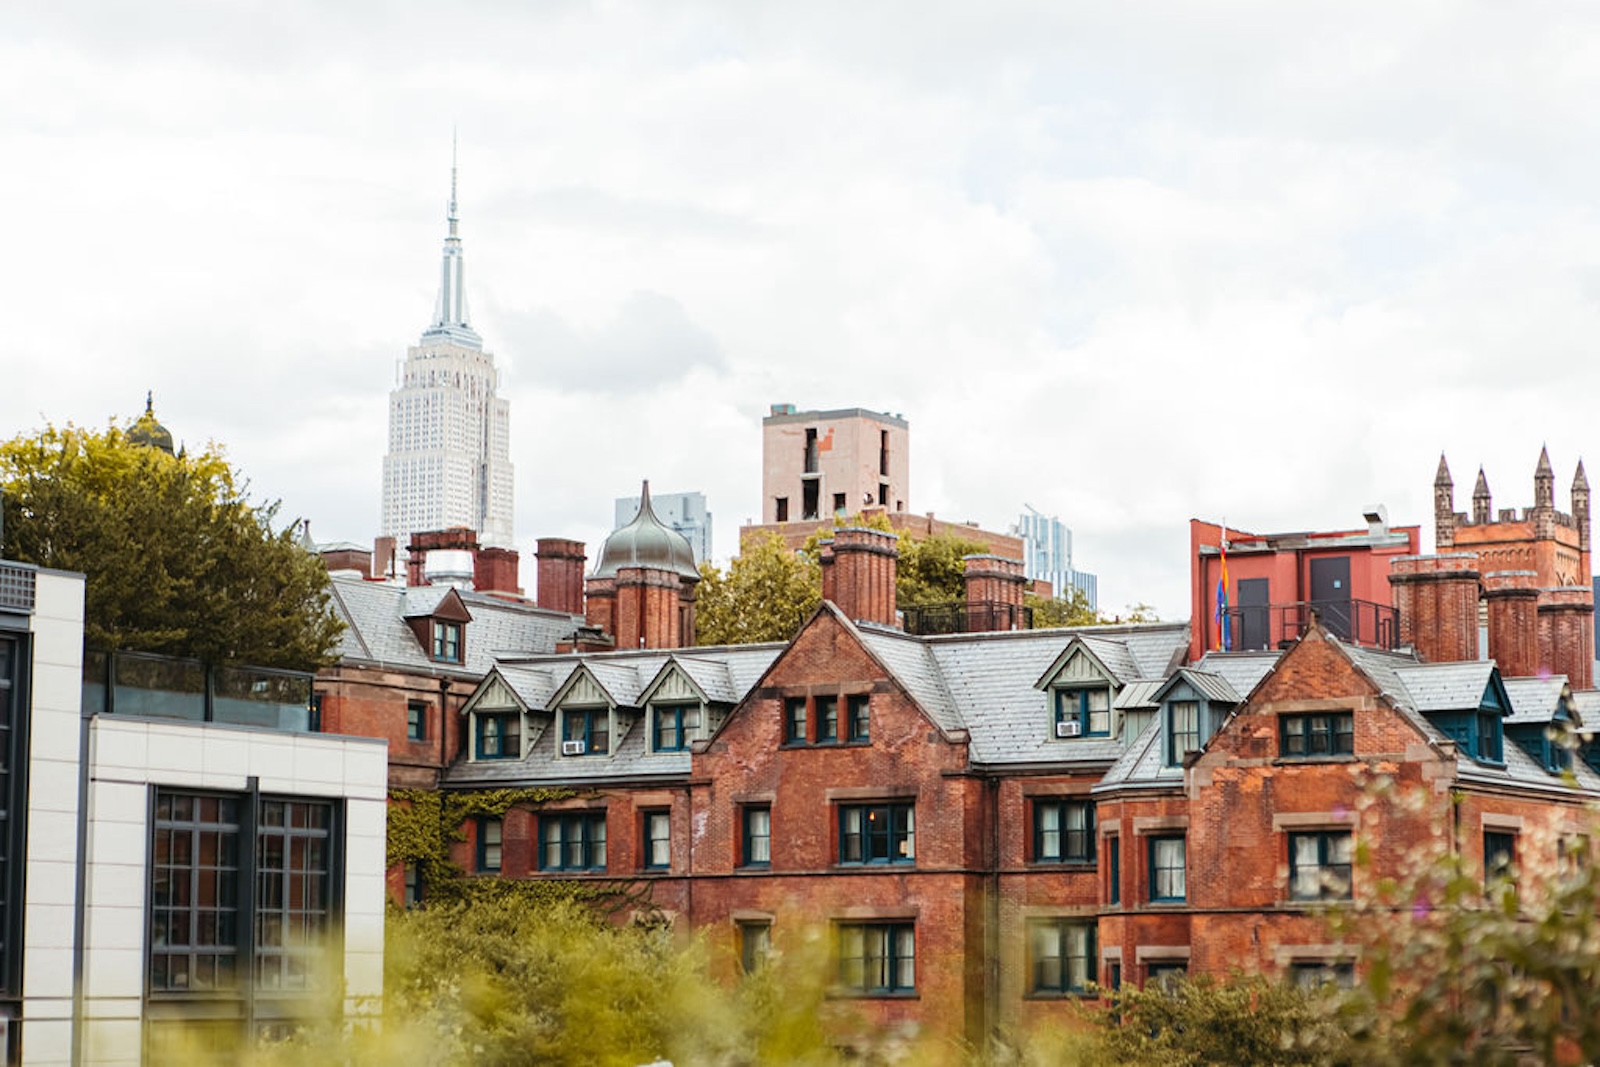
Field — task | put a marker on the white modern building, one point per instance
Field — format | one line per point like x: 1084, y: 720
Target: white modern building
x: 684, y: 512
x: 199, y: 866
x: 449, y: 459
x: 1047, y: 556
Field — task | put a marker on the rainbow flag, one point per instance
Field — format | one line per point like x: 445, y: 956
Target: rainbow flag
x: 1224, y: 620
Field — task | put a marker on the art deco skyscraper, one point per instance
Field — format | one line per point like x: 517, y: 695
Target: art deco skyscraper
x: 449, y: 459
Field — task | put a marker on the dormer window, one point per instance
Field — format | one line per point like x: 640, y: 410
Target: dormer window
x: 446, y: 641
x: 673, y: 726
x: 498, y: 735
x: 585, y: 731
x: 1083, y: 711
x: 1183, y: 730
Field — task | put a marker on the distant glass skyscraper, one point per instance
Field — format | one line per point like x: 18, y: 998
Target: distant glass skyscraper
x: 1047, y: 556
x: 449, y: 459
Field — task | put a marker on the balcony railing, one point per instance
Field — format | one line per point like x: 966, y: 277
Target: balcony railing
x: 1269, y: 626
x: 961, y: 617
x: 164, y: 687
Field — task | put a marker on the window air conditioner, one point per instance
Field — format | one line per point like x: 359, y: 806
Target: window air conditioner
x: 573, y: 748
x: 1069, y: 728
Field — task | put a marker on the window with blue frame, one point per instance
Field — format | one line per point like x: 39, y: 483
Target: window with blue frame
x: 1319, y: 865
x: 878, y: 959
x: 674, y: 726
x: 1114, y: 875
x: 877, y: 833
x: 859, y: 723
x: 1063, y: 830
x: 490, y: 833
x: 827, y: 720
x: 1183, y: 730
x: 446, y: 641
x: 794, y: 720
x: 591, y: 726
x: 498, y: 735
x: 657, y: 840
x: 1478, y: 734
x: 1087, y: 706
x: 756, y: 843
x: 572, y: 841
x: 1168, y: 880
x: 1331, y: 733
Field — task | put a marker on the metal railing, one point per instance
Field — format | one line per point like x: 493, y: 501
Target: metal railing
x: 961, y: 617
x: 165, y: 687
x: 1269, y: 626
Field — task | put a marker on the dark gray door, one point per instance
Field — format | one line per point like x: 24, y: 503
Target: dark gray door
x: 1254, y: 632
x: 1330, y: 593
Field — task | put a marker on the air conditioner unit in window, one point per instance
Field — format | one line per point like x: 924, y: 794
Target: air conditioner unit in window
x: 573, y: 748
x: 1070, y: 728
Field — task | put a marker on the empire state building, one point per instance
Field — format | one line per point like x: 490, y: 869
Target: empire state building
x: 449, y: 434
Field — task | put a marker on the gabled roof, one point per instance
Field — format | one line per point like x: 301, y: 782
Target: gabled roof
x: 1434, y: 687
x: 1139, y: 695
x: 1213, y: 687
x: 420, y: 603
x: 1243, y: 670
x: 376, y: 631
x: 1534, y: 700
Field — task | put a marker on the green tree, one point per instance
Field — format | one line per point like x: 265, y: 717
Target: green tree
x: 931, y: 569
x: 765, y: 594
x: 1070, y: 610
x: 177, y: 559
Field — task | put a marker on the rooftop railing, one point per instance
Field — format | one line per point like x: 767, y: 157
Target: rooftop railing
x: 1270, y: 626
x: 962, y: 617
x: 164, y: 687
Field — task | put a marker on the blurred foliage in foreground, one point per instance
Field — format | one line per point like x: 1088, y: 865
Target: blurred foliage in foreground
x: 1454, y: 972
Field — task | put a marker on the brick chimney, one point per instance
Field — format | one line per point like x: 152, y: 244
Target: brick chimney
x: 1437, y: 598
x: 560, y: 575
x: 858, y: 574
x: 1513, y: 598
x: 1566, y: 634
x: 648, y: 603
x: 994, y: 593
x: 495, y: 571
x: 455, y: 539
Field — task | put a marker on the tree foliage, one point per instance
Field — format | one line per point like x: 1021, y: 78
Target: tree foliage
x: 177, y: 559
x: 765, y: 594
x: 1070, y: 609
x: 931, y: 569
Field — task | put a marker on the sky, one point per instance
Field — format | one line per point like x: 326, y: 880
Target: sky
x: 1127, y: 263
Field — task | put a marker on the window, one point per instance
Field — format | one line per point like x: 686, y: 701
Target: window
x: 859, y: 709
x: 755, y: 946
x: 675, y: 726
x: 1062, y: 956
x: 413, y: 885
x: 827, y: 720
x: 573, y: 841
x: 1063, y: 831
x: 1323, y: 974
x: 1183, y: 733
x: 589, y: 726
x: 838, y: 505
x: 416, y: 720
x: 1114, y: 875
x: 757, y: 850
x: 1089, y: 708
x: 1319, y: 865
x: 499, y: 735
x: 314, y: 720
x: 1167, y: 882
x: 1489, y: 745
x: 877, y: 958
x: 1166, y: 974
x: 877, y: 833
x: 1499, y: 856
x: 446, y: 641
x: 794, y: 720
x: 1311, y: 736
x: 657, y: 839
x: 490, y: 833
x: 201, y: 865
x: 780, y: 509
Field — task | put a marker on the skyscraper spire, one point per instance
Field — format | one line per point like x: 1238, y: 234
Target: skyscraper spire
x: 450, y: 321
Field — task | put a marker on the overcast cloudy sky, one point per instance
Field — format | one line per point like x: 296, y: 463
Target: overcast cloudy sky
x: 1129, y: 263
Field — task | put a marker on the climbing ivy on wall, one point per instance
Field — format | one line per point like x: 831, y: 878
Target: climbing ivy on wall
x: 424, y: 823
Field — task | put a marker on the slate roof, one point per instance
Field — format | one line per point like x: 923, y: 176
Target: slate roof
x: 1242, y: 670
x: 1446, y: 686
x: 1144, y: 763
x: 1139, y: 695
x: 1213, y: 687
x: 732, y: 670
x: 376, y: 632
x: 1534, y: 700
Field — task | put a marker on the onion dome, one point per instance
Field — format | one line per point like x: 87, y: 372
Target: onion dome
x: 647, y: 542
x: 147, y: 431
